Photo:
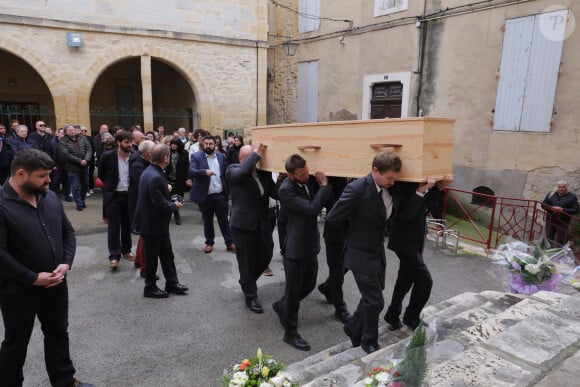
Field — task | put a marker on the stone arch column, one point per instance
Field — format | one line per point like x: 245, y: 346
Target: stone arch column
x: 173, y: 58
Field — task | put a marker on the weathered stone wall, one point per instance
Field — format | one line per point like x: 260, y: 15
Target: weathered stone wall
x: 227, y: 75
x: 240, y: 19
x: 282, y: 69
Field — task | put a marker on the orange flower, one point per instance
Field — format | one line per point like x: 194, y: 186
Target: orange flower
x: 244, y: 364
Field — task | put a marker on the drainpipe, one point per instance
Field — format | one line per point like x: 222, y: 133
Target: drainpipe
x: 257, y: 81
x: 422, y: 45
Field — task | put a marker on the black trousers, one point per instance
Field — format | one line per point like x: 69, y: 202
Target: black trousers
x: 365, y: 320
x: 413, y: 274
x: 216, y: 204
x: 300, y: 281
x: 254, y: 252
x: 158, y: 249
x: 118, y: 226
x: 19, y: 311
x: 335, y: 262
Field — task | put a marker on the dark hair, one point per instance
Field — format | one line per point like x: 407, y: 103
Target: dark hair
x: 158, y: 152
x: 294, y: 162
x: 31, y: 159
x: 177, y: 141
x: 123, y: 135
x: 387, y: 161
x: 209, y: 137
x: 241, y: 138
x: 198, y: 132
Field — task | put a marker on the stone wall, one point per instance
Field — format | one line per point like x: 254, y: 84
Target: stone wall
x: 226, y: 74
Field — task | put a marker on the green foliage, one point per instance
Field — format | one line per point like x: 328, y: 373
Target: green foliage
x: 413, y: 369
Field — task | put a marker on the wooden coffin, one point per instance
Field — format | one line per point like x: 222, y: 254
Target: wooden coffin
x: 347, y: 148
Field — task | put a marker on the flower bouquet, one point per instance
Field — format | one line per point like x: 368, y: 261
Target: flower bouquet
x: 259, y: 371
x: 532, y: 266
x: 409, y: 372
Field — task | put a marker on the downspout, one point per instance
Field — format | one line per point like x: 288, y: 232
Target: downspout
x: 422, y: 45
x: 257, y: 81
x: 424, y: 28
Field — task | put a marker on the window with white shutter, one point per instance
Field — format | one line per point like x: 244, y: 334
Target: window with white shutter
x: 528, y: 74
x: 385, y: 7
x: 308, y: 91
x: 309, y: 15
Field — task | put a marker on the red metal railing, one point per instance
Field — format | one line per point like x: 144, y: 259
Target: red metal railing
x: 490, y: 218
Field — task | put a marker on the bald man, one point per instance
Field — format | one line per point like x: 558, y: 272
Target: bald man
x: 250, y: 190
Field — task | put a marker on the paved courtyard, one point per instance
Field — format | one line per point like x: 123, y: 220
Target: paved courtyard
x: 120, y: 338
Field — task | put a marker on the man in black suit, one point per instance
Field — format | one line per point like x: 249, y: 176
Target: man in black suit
x: 152, y: 217
x: 407, y: 241
x: 334, y: 242
x: 362, y: 211
x: 301, y: 199
x: 250, y: 190
x: 114, y: 172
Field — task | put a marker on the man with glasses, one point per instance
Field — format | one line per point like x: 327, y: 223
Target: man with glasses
x: 40, y: 139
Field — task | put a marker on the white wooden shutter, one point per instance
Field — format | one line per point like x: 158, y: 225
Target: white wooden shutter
x: 311, y: 22
x: 307, y: 92
x: 529, y: 69
x: 543, y: 72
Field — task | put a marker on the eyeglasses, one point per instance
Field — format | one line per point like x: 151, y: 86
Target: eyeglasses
x: 42, y: 125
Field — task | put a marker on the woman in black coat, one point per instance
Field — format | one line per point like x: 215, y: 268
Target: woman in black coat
x: 177, y: 171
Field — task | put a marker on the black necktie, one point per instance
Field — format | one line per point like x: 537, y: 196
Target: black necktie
x: 382, y: 203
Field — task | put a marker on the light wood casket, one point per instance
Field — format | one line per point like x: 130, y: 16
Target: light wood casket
x: 347, y: 148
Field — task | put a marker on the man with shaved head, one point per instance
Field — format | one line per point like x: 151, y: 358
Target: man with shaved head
x: 250, y: 190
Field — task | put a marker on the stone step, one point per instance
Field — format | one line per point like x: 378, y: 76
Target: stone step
x: 478, y: 341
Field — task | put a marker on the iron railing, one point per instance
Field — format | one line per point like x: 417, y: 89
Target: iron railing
x: 26, y: 114
x: 490, y: 219
x: 172, y: 119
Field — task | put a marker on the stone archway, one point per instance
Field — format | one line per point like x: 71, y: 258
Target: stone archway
x: 24, y: 93
x: 146, y: 54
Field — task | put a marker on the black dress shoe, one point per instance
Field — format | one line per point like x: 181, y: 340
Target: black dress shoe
x: 370, y: 347
x: 413, y: 324
x: 155, y: 293
x: 297, y: 342
x: 279, y: 312
x: 322, y: 289
x: 343, y: 315
x: 254, y: 305
x: 176, y: 288
x: 394, y: 323
x: 353, y: 340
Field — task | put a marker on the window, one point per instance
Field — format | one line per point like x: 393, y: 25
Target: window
x: 308, y: 91
x: 530, y: 62
x: 385, y: 7
x: 309, y: 15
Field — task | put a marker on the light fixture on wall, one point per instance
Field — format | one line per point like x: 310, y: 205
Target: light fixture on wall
x: 290, y: 48
x: 73, y: 41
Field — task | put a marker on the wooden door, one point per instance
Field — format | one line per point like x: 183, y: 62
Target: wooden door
x: 386, y: 101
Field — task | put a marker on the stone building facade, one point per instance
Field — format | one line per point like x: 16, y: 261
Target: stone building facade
x: 178, y: 63
x: 443, y: 58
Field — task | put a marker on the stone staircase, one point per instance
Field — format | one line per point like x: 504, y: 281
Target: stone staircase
x: 483, y: 339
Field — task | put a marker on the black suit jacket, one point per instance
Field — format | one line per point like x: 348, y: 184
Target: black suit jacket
x: 109, y: 174
x: 302, y: 235
x: 154, y: 209
x: 360, y: 213
x: 409, y: 218
x: 249, y: 208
